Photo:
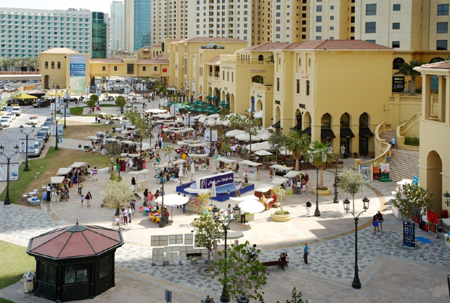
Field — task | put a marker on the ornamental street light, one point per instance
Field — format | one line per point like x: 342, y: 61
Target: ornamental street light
x: 447, y: 195
x: 56, y: 121
x: 8, y: 159
x: 335, y: 185
x: 356, y: 282
x: 311, y: 160
x: 226, y: 226
x: 26, y: 144
x: 163, y: 176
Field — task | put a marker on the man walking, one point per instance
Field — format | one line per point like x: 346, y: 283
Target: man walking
x: 308, y: 208
x: 380, y: 221
x: 238, y: 189
x: 305, y: 253
x: 94, y: 174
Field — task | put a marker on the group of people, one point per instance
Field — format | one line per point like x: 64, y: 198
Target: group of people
x: 377, y: 222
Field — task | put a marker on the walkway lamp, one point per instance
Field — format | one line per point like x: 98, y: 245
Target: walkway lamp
x: 26, y: 144
x: 8, y: 159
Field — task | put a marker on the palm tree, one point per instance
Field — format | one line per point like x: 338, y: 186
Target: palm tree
x: 35, y: 63
x: 407, y: 69
x: 4, y: 63
x: 320, y: 154
x: 298, y: 144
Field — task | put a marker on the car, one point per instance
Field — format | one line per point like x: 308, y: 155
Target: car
x: 46, y: 129
x: 15, y: 81
x: 33, y: 120
x: 24, y: 81
x: 42, y: 103
x: 36, y: 81
x: 42, y: 134
x: 6, y: 81
x: 5, y: 121
x: 30, y: 81
x: 11, y: 116
x: 38, y: 146
x: 16, y: 110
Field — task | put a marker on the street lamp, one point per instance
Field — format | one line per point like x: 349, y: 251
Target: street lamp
x: 26, y: 144
x: 66, y: 100
x: 335, y: 185
x: 356, y: 282
x: 447, y: 195
x: 311, y: 160
x: 56, y: 121
x: 226, y: 226
x: 8, y: 159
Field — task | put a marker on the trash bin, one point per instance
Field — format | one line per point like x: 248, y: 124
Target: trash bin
x: 28, y: 281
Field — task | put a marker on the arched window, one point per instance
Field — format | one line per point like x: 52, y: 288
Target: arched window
x: 397, y: 62
x: 53, y: 65
x: 46, y: 64
x: 345, y: 121
x: 364, y: 120
x: 326, y: 121
x: 59, y: 65
x: 258, y: 79
x: 260, y: 58
x: 437, y: 59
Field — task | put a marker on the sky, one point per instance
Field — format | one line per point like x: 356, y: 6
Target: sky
x: 92, y: 5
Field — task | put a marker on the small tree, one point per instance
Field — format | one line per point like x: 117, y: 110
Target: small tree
x: 120, y: 101
x: 207, y: 232
x: 281, y: 194
x: 168, y: 150
x: 113, y: 149
x: 92, y: 101
x: 142, y: 128
x: 320, y: 154
x: 245, y: 276
x: 248, y: 124
x: 276, y: 141
x: 297, y: 297
x: 351, y: 182
x: 407, y: 69
x: 298, y: 144
x: 410, y: 199
x: 117, y: 194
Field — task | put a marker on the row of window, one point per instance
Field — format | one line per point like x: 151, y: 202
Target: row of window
x: 144, y: 68
x: 371, y: 9
x: 297, y: 86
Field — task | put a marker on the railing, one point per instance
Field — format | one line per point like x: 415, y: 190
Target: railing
x: 382, y: 148
x: 403, y: 128
x: 19, y: 73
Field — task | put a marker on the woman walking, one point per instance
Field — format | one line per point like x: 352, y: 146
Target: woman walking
x: 88, y: 198
x: 80, y: 188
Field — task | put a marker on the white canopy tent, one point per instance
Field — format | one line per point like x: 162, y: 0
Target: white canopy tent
x: 279, y: 180
x: 264, y: 188
x: 246, y: 137
x: 292, y: 174
x: 77, y: 164
x: 258, y: 114
x: 63, y: 171
x: 155, y: 111
x: 250, y: 163
x: 56, y: 180
x: 259, y: 146
x: 263, y: 153
x: 197, y: 156
x: 234, y: 133
x: 226, y: 160
x: 281, y: 167
x: 165, y: 115
x: 251, y: 207
x: 173, y: 200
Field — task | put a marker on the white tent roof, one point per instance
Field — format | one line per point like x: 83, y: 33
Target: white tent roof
x: 264, y: 188
x: 284, y: 151
x: 179, y: 161
x: 234, y: 133
x: 172, y: 200
x: 292, y: 174
x: 244, y: 198
x: 214, y: 116
x: 263, y: 153
x: 246, y: 137
x: 56, y: 180
x: 258, y: 114
x: 226, y: 160
x: 198, y: 156
x: 281, y: 167
x: 202, y: 119
x: 92, y: 138
x: 250, y: 163
x: 130, y: 155
x: 279, y: 180
x: 77, y: 164
x: 139, y: 172
x: 163, y: 115
x: 63, y: 171
x: 259, y: 146
x: 155, y: 111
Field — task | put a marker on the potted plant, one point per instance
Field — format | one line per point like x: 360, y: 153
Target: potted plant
x: 281, y: 215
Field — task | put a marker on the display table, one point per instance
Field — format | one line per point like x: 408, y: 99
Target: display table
x: 142, y: 185
x: 253, y: 176
x: 56, y: 198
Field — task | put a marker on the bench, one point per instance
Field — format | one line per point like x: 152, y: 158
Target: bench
x: 275, y: 263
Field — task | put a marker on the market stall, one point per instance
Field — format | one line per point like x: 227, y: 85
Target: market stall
x: 281, y: 170
x: 253, y: 169
x: 225, y: 164
x: 199, y: 161
x: 56, y: 185
x: 143, y: 184
x: 63, y: 171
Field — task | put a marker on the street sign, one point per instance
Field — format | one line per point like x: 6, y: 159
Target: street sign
x: 409, y: 234
x: 64, y: 110
x: 23, y: 146
x: 13, y: 171
x: 60, y: 130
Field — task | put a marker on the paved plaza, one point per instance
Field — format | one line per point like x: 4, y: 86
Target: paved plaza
x: 388, y: 273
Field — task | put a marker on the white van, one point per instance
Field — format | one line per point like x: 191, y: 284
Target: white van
x: 16, y: 110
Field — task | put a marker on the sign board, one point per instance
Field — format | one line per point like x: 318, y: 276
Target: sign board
x: 23, y: 146
x: 60, y: 130
x: 221, y: 179
x: 398, y: 84
x: 77, y: 73
x: 192, y: 121
x: 364, y: 170
x: 13, y: 172
x: 65, y: 110
x: 432, y: 218
x: 208, y: 133
x: 52, y: 106
x: 415, y: 180
x: 409, y: 234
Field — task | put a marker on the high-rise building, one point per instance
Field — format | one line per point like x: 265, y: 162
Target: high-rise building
x: 100, y: 35
x: 262, y: 21
x: 128, y: 25
x: 27, y: 32
x: 169, y: 20
x: 117, y: 25
x: 142, y: 24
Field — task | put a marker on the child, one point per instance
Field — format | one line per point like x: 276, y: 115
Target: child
x: 81, y: 199
x: 374, y: 224
x: 103, y: 203
x: 80, y: 188
x: 129, y: 214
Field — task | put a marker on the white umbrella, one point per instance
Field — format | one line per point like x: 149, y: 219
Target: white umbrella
x: 180, y: 173
x: 246, y: 137
x: 235, y: 132
x: 214, y: 116
x: 251, y: 207
x: 263, y: 153
x: 202, y: 119
x: 173, y: 200
x: 192, y: 170
x: 213, y: 190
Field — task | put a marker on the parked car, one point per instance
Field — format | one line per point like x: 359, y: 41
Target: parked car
x: 42, y: 134
x: 36, y: 81
x: 42, y: 103
x: 45, y: 129
x: 24, y: 81
x: 30, y: 81
x: 11, y: 115
x: 15, y: 81
x: 6, y: 81
x: 16, y: 110
x: 5, y: 121
x: 33, y: 120
x: 38, y: 146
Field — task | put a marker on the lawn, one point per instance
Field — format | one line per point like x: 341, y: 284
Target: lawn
x: 15, y: 262
x: 76, y: 111
x: 42, y: 169
x: 81, y: 130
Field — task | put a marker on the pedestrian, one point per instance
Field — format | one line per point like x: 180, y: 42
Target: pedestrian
x: 393, y: 142
x: 299, y: 187
x: 133, y: 183
x: 130, y: 212
x: 81, y: 199
x: 271, y: 173
x: 229, y: 212
x: 238, y: 189
x: 254, y: 252
x: 380, y: 221
x: 80, y: 188
x: 305, y: 253
x: 88, y: 198
x: 94, y: 174
x: 49, y: 191
x: 243, y: 217
x: 308, y: 208
x: 125, y: 216
x: 374, y: 224
x: 245, y: 178
x: 304, y: 186
x: 103, y: 203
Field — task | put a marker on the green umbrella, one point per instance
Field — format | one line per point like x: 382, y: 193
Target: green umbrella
x: 200, y: 110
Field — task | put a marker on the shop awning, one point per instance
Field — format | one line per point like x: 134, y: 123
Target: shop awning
x: 199, y: 95
x: 258, y: 114
x: 215, y: 98
x: 277, y: 125
x: 307, y: 131
x: 208, y: 97
x: 297, y: 127
x: 346, y: 133
x: 56, y: 180
x: 365, y: 132
x: 327, y: 133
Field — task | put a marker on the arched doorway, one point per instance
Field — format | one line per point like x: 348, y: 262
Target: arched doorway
x: 276, y: 120
x: 345, y: 136
x: 364, y: 134
x: 46, y: 81
x: 434, y: 180
x: 259, y: 105
x: 258, y: 79
x: 326, y: 134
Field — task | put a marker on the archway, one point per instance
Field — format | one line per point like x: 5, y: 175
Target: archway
x: 437, y: 59
x: 326, y: 134
x: 364, y: 134
x: 346, y: 135
x: 46, y: 81
x: 276, y: 120
x: 434, y: 180
x: 259, y: 105
x: 397, y: 62
x: 258, y: 79
x: 260, y: 58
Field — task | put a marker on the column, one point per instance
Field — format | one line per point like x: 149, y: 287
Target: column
x: 426, y: 96
x: 447, y: 100
x: 441, y: 99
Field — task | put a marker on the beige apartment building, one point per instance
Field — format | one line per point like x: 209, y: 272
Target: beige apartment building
x: 128, y: 26
x: 169, y: 20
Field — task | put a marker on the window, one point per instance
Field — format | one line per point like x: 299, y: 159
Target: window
x: 46, y: 64
x: 144, y: 68
x: 104, y: 267
x: 396, y: 7
x: 319, y: 29
x: 442, y: 27
x: 307, y: 87
x: 371, y: 41
x: 58, y: 65
x: 442, y: 9
x: 278, y: 84
x: 155, y: 68
x: 103, y: 68
x: 441, y: 45
x: 298, y: 86
x: 318, y: 18
x: 395, y: 44
x: 371, y: 9
x: 331, y: 17
x: 396, y: 25
x: 115, y: 68
x: 76, y: 274
x: 319, y: 8
x: 371, y: 27
x: 53, y: 65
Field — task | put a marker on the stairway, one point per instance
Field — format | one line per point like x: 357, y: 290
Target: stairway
x: 403, y: 164
x: 388, y: 135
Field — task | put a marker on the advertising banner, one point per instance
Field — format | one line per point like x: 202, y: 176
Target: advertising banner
x: 65, y: 110
x: 77, y: 73
x: 409, y: 234
x: 23, y: 146
x: 364, y: 170
x: 208, y: 133
x: 221, y: 179
x: 60, y: 130
x: 13, y: 172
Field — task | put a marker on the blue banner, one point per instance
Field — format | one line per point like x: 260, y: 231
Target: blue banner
x: 221, y: 179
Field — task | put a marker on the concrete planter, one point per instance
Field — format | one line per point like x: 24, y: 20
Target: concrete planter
x: 194, y: 209
x: 322, y: 192
x: 280, y: 218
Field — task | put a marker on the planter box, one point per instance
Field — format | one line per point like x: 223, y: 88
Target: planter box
x: 280, y: 218
x: 325, y: 192
x: 198, y: 210
x: 397, y: 213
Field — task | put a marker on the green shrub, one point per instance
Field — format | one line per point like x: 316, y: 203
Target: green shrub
x: 418, y: 90
x: 412, y: 141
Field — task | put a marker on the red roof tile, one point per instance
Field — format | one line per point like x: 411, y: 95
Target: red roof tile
x: 334, y: 45
x: 437, y: 65
x: 212, y: 39
x: 214, y: 60
x: 152, y: 61
x: 268, y: 46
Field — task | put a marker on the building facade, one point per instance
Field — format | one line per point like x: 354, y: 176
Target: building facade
x: 100, y: 35
x: 27, y: 32
x: 128, y: 24
x: 169, y: 20
x: 142, y: 24
x: 117, y: 25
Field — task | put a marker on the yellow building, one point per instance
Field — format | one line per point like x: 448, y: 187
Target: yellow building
x: 434, y: 133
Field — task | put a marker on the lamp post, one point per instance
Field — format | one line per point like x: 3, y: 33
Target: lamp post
x: 56, y: 121
x: 8, y: 159
x: 66, y: 101
x: 447, y: 195
x: 311, y: 159
x: 226, y: 226
x: 26, y: 144
x: 356, y: 282
x: 335, y: 185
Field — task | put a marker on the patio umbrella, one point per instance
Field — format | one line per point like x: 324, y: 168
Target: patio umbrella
x: 251, y: 206
x: 263, y: 153
x: 201, y: 110
x: 25, y: 96
x: 172, y: 200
